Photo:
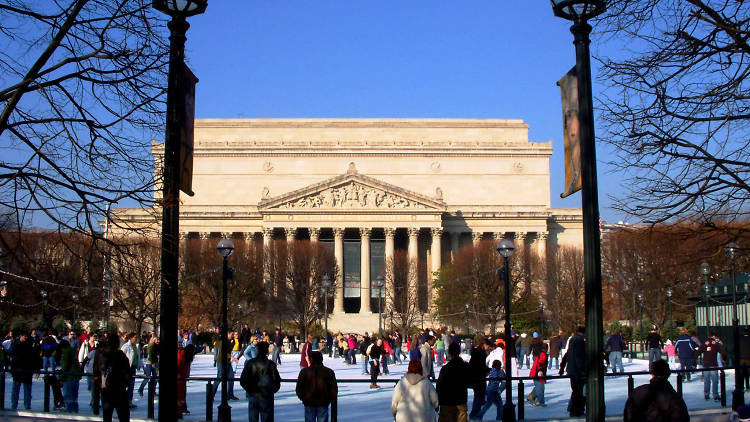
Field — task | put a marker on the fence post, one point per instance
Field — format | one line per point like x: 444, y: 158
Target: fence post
x: 2, y: 388
x: 209, y: 402
x: 46, y: 393
x: 520, y: 401
x: 631, y: 385
x: 723, y: 386
x: 335, y: 409
x: 679, y: 384
x: 151, y: 396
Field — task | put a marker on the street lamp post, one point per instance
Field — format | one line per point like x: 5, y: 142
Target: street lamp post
x: 541, y: 319
x: 44, y: 309
x: 738, y: 396
x: 640, y: 328
x: 579, y: 12
x: 468, y: 333
x: 179, y: 11
x: 379, y: 284
x: 706, y: 271
x: 326, y: 284
x: 505, y: 248
x: 75, y: 309
x: 669, y: 311
x: 225, y: 247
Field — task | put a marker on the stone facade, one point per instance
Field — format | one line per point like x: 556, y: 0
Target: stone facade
x: 437, y: 184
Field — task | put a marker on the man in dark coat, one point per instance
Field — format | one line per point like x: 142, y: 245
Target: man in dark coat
x: 316, y: 387
x: 575, y: 361
x: 261, y: 380
x: 112, y: 374
x: 685, y: 349
x: 654, y: 345
x: 452, y: 384
x: 615, y: 344
x: 22, y: 367
x: 712, y: 351
x: 656, y: 401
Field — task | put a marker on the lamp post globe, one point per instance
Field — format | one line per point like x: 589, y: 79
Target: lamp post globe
x: 541, y: 319
x: 176, y: 116
x: 43, y: 293
x: 669, y: 311
x: 505, y: 248
x: 225, y: 247
x: 577, y: 10
x: 640, y: 309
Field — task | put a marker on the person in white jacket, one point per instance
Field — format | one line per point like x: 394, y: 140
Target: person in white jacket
x: 414, y: 397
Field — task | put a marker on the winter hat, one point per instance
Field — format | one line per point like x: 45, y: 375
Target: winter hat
x: 669, y: 342
x: 535, y: 335
x: 523, y: 335
x: 742, y: 414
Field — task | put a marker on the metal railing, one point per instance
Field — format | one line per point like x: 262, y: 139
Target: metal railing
x: 209, y: 394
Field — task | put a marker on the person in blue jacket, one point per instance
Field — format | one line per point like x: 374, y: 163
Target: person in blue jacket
x: 685, y: 351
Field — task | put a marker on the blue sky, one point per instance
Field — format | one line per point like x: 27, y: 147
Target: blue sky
x: 354, y: 58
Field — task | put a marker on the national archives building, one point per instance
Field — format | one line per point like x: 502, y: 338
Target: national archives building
x: 370, y: 187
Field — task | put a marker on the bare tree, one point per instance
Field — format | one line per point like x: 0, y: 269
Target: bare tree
x: 565, y: 294
x: 136, y: 283
x: 676, y: 110
x: 296, y: 270
x: 81, y: 99
x: 402, y: 290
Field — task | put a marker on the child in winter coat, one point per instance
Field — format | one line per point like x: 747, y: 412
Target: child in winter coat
x: 539, y: 369
x: 494, y: 393
x: 669, y: 350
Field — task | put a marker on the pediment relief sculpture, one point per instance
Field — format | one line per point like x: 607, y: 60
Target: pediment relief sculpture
x: 353, y: 195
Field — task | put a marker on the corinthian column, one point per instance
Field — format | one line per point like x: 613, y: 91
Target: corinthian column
x: 476, y: 237
x: 267, y: 239
x: 364, y: 295
x: 454, y: 245
x: 390, y: 290
x: 435, y: 251
x: 338, y: 251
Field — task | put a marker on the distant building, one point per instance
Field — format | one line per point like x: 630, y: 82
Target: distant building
x: 369, y: 187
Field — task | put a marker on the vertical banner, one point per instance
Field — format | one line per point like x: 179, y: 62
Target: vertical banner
x: 186, y: 131
x: 569, y: 92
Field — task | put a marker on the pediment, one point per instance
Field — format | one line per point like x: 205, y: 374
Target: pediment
x: 352, y: 191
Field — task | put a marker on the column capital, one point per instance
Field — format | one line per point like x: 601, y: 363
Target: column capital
x: 338, y: 232
x: 314, y: 233
x: 184, y: 235
x: 248, y: 235
x: 413, y: 231
x: 390, y: 232
x: 227, y: 235
x: 542, y: 235
x: 365, y: 231
x: 520, y: 236
x: 476, y: 236
x: 498, y: 235
x: 436, y: 231
x: 205, y: 235
x: 290, y: 232
x: 268, y: 232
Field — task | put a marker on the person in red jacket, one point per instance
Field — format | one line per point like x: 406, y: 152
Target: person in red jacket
x: 305, y: 353
x: 539, y: 369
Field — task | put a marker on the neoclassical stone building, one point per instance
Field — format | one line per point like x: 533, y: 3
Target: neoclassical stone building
x: 371, y: 186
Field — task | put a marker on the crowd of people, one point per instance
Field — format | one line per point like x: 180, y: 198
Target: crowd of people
x: 109, y: 363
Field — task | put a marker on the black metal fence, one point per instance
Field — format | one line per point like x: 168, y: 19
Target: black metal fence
x: 209, y: 395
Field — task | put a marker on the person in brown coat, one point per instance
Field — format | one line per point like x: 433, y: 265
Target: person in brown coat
x: 317, y: 388
x: 657, y: 400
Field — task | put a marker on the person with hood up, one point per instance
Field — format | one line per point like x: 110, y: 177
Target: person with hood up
x: 414, y: 397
